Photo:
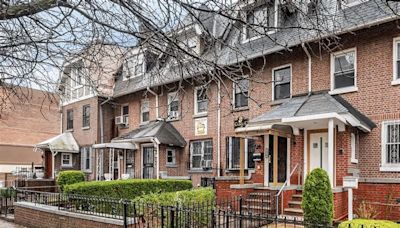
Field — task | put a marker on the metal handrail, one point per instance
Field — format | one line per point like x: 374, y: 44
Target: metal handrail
x: 282, y: 187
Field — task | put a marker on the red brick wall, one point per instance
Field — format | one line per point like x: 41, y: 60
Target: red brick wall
x: 40, y: 219
x: 381, y: 196
x: 340, y: 205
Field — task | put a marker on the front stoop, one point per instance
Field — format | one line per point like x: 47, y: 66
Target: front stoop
x: 294, y: 208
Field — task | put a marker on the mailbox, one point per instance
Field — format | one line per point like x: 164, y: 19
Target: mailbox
x: 350, y: 182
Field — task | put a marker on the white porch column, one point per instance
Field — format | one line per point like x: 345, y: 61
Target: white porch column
x: 331, y: 150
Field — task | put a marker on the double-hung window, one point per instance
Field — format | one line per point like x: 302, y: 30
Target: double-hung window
x: 260, y: 20
x: 86, y: 116
x: 200, y: 100
x: 171, y: 157
x: 281, y: 82
x: 354, y: 147
x: 86, y: 159
x: 70, y: 119
x: 241, y: 93
x: 233, y: 152
x: 125, y: 113
x: 145, y: 111
x: 66, y: 159
x: 173, y: 106
x: 396, y: 61
x: 134, y: 66
x: 390, y: 146
x: 344, y: 71
x: 201, y: 154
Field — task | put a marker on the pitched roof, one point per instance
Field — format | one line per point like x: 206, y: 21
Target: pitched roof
x: 64, y: 142
x: 314, y: 104
x: 163, y: 131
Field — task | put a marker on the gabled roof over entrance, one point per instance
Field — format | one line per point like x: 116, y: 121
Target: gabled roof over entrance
x: 64, y: 142
x: 162, y: 132
x: 315, y: 106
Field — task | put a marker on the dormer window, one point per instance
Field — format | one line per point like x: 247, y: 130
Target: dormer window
x: 134, y: 66
x: 259, y: 21
x: 76, y: 85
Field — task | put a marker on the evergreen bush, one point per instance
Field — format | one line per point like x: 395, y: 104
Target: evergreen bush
x: 317, y: 203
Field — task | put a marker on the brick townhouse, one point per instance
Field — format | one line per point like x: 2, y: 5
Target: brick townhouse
x: 28, y: 117
x: 85, y: 83
x: 305, y: 107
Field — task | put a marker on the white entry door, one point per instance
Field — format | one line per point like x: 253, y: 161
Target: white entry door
x: 319, y: 151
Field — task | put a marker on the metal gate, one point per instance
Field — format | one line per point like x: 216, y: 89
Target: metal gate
x: 148, y: 162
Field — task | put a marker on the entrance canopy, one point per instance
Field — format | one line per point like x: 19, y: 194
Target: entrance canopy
x: 160, y: 131
x: 312, y: 111
x: 64, y: 142
x: 118, y: 145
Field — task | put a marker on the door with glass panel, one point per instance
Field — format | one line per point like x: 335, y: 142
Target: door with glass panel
x: 148, y: 162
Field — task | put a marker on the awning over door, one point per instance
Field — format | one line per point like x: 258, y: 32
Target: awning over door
x: 64, y: 142
x: 161, y: 132
x: 305, y: 111
x: 117, y: 145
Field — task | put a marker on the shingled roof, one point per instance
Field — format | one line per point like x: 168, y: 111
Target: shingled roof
x: 162, y: 131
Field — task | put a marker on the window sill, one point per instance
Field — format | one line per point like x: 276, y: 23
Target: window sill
x: 171, y: 166
x: 173, y: 120
x: 395, y: 82
x: 200, y: 171
x: 69, y: 130
x: 343, y: 90
x: 85, y: 128
x: 354, y: 161
x: 246, y: 108
x: 66, y: 166
x: 237, y: 170
x: 199, y: 115
x: 247, y: 40
x: 144, y: 123
x: 389, y: 168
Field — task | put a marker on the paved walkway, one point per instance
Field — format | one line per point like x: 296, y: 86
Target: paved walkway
x: 5, y: 224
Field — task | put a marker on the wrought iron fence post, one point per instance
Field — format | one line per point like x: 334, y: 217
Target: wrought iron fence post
x: 125, y: 205
x: 241, y: 211
x: 172, y: 217
x: 59, y: 200
x: 162, y: 216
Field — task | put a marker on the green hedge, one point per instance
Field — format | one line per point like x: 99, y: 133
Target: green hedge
x: 317, y: 203
x: 127, y: 189
x: 69, y: 177
x: 356, y: 223
x: 198, y: 196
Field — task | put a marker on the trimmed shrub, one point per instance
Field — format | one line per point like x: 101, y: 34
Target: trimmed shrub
x: 198, y: 196
x: 317, y: 203
x: 127, y: 189
x: 368, y: 223
x: 197, y: 204
x: 70, y: 177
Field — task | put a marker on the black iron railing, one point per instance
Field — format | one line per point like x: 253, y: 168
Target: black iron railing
x: 233, y: 212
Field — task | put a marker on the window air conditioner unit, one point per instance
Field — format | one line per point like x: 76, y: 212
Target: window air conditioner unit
x: 121, y: 120
x: 173, y: 115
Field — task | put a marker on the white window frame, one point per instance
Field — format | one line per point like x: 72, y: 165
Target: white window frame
x: 273, y: 79
x: 246, y: 149
x: 196, y: 108
x: 173, y: 152
x: 126, y: 116
x: 84, y: 157
x: 348, y: 89
x: 202, y: 153
x: 134, y: 58
x: 234, y: 93
x: 173, y: 96
x: 83, y: 116
x: 66, y: 124
x: 143, y: 101
x: 244, y: 29
x: 353, y: 143
x: 396, y: 79
x: 69, y: 160
x: 387, y: 167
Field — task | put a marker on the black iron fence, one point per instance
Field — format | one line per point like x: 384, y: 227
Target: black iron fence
x: 232, y: 212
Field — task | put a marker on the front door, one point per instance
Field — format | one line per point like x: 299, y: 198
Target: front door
x: 277, y: 159
x: 148, y: 162
x: 318, y: 151
x: 48, y: 164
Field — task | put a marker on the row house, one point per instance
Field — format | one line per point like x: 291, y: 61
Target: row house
x: 301, y: 107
